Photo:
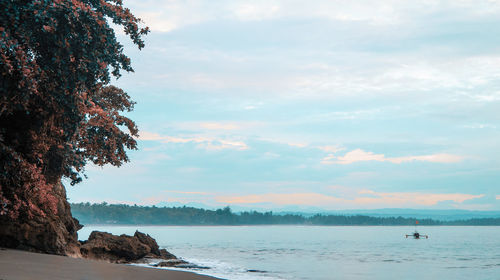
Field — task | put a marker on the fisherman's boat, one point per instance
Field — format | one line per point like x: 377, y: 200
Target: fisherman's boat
x: 416, y: 234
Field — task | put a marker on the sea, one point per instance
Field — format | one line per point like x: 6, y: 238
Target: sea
x: 329, y: 252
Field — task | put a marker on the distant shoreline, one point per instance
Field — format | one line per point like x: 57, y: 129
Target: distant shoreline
x: 122, y: 214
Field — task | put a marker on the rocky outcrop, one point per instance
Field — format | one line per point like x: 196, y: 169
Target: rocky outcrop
x: 56, y: 233
x: 53, y: 233
x: 139, y: 248
x: 109, y: 247
x: 123, y: 248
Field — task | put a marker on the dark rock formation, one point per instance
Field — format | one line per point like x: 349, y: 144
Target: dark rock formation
x: 256, y: 270
x: 149, y: 241
x: 140, y: 248
x: 179, y: 264
x: 166, y: 255
x: 170, y: 263
x: 52, y: 233
x: 113, y: 248
x: 123, y: 248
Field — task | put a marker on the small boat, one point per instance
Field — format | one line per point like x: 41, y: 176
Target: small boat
x: 416, y: 234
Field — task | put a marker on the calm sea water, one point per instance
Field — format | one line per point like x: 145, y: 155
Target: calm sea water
x: 330, y: 252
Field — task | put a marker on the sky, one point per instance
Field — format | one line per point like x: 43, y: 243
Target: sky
x: 311, y: 104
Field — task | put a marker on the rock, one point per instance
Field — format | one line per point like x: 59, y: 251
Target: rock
x: 191, y: 266
x: 51, y: 233
x: 166, y: 255
x: 113, y: 248
x: 140, y: 248
x: 256, y: 270
x: 56, y: 233
x: 170, y: 263
x: 148, y: 240
x: 179, y: 264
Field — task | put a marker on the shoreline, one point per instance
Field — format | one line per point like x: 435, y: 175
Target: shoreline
x: 17, y: 264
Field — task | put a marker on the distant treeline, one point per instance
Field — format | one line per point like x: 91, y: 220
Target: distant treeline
x: 104, y: 213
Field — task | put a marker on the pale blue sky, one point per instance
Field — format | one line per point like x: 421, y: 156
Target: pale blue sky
x: 332, y: 104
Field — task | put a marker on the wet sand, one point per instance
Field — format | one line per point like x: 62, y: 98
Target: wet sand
x: 17, y: 265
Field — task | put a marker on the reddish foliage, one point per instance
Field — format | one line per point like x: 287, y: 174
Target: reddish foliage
x: 57, y: 110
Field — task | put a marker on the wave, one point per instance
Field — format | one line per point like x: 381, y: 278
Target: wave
x: 221, y: 269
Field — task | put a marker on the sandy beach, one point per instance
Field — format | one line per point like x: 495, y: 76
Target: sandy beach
x: 17, y: 265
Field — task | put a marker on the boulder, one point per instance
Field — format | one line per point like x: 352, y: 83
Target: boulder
x: 113, y: 248
x: 140, y: 248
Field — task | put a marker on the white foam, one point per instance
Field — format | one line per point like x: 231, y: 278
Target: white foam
x: 219, y: 269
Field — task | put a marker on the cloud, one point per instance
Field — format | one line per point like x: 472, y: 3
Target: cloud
x: 156, y: 21
x: 150, y: 136
x: 167, y: 16
x: 219, y: 126
x: 498, y: 197
x: 331, y: 149
x: 285, y: 141
x: 256, y: 11
x: 402, y: 198
x: 280, y: 199
x: 359, y: 155
x: 365, y: 198
x: 185, y: 192
x: 480, y: 126
x: 216, y: 145
x: 212, y: 127
x: 298, y: 145
x: 208, y: 143
x: 174, y: 196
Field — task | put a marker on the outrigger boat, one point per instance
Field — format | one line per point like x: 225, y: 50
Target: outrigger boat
x: 416, y: 234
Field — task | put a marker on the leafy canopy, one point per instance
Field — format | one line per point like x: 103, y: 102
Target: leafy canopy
x: 57, y: 108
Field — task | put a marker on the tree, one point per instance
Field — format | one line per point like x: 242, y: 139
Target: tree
x: 58, y: 110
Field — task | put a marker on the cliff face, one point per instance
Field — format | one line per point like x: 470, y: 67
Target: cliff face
x: 53, y: 233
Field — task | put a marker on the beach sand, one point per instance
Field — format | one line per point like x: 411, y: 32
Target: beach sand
x: 17, y: 265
